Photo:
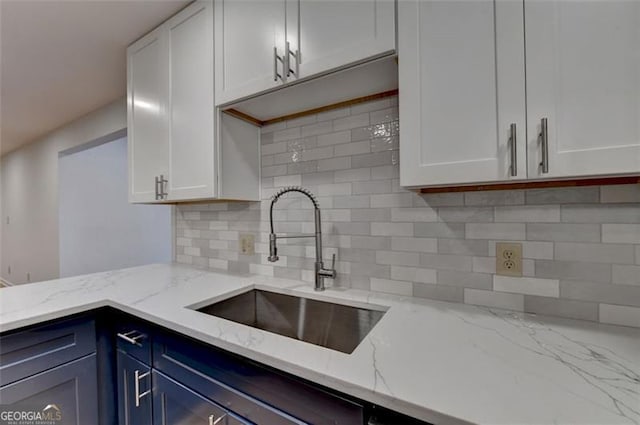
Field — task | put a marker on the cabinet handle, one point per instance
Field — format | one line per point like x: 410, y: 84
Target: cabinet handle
x: 513, y: 144
x: 137, y: 377
x: 214, y: 421
x: 163, y: 192
x: 544, y: 138
x: 157, y: 186
x: 277, y: 58
x: 132, y: 337
x: 287, y: 54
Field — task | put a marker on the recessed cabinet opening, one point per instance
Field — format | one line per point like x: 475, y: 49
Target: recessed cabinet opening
x: 336, y: 89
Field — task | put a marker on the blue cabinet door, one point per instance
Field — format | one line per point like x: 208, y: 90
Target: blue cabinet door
x: 27, y: 352
x: 68, y: 392
x: 175, y: 404
x: 134, y: 391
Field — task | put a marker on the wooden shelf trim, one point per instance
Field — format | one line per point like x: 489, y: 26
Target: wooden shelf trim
x: 597, y: 181
x: 344, y: 104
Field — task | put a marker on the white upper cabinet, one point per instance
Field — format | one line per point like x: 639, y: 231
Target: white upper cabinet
x: 461, y: 90
x: 177, y: 138
x: 146, y: 104
x: 191, y: 111
x: 568, y: 86
x: 249, y: 46
x: 262, y: 44
x: 328, y: 34
x: 583, y: 76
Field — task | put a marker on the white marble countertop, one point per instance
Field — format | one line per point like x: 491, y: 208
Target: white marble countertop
x: 441, y: 362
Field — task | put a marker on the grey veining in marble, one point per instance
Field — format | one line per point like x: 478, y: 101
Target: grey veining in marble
x: 439, y: 361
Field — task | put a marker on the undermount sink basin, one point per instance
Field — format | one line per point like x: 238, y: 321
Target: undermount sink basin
x: 336, y: 326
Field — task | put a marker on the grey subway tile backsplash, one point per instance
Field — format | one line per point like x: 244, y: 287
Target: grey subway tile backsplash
x: 494, y: 299
x: 619, y: 315
x: 573, y: 270
x: 595, y: 252
x: 466, y: 214
x: 527, y: 286
x: 621, y: 233
x: 563, y: 232
x: 606, y: 213
x: 581, y: 246
x: 579, y: 195
x: 626, y: 275
x: 499, y: 197
x: 620, y: 193
x: 600, y: 292
x: 464, y: 279
x: 439, y: 292
x: 561, y: 307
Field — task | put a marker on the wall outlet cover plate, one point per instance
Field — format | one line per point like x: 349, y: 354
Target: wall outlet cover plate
x: 509, y: 259
x: 247, y: 244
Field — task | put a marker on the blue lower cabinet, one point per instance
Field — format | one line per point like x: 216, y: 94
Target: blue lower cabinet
x: 67, y: 393
x: 134, y: 391
x: 26, y: 352
x: 250, y: 390
x: 175, y: 404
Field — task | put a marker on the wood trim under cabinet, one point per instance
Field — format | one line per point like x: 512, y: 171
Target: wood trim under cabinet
x: 344, y: 104
x: 243, y: 116
x: 546, y: 184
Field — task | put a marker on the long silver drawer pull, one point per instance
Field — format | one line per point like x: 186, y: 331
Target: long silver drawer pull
x: 138, y: 376
x: 287, y: 54
x: 544, y: 138
x: 163, y: 191
x: 157, y: 190
x: 132, y: 337
x: 513, y: 144
x: 276, y: 58
x: 214, y: 421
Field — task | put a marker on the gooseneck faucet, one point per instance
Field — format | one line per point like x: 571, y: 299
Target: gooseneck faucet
x: 320, y: 272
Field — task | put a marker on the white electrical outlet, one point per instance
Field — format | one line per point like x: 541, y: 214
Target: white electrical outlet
x: 509, y: 259
x: 247, y: 244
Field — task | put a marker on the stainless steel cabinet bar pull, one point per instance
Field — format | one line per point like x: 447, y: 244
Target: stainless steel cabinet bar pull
x: 287, y: 54
x: 214, y: 421
x: 163, y: 190
x: 137, y: 377
x: 276, y: 58
x: 132, y: 337
x: 544, y: 138
x: 157, y: 186
x: 513, y: 145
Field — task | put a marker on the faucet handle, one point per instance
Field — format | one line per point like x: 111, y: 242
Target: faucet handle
x: 273, y: 248
x: 324, y: 272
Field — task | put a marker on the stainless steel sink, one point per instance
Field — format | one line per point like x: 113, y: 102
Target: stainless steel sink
x: 336, y: 326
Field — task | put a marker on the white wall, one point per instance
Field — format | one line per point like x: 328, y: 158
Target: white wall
x: 30, y: 193
x: 99, y: 229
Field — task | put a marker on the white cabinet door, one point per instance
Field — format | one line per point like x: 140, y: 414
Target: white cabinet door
x: 461, y: 73
x: 583, y: 75
x: 146, y: 120
x: 191, y: 110
x: 332, y: 33
x: 246, y: 33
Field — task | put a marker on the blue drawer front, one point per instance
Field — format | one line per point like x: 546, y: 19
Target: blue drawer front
x: 248, y: 389
x: 71, y: 388
x: 34, y: 350
x: 175, y: 404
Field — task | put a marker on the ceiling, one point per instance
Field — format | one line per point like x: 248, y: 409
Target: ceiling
x: 62, y: 59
